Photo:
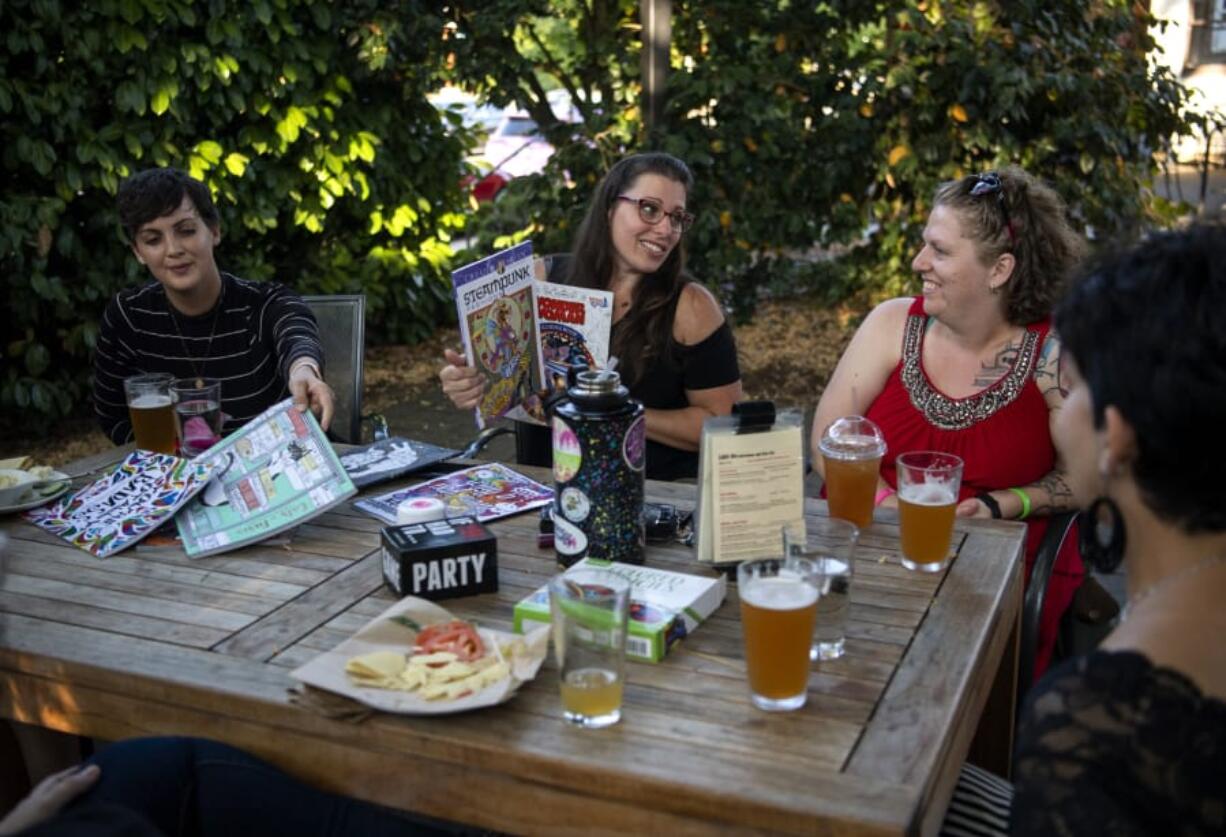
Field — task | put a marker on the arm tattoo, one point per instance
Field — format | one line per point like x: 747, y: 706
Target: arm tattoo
x: 995, y: 369
x: 1047, y: 372
x: 1059, y: 495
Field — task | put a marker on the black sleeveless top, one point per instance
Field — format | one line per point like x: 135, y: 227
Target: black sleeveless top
x: 1111, y: 744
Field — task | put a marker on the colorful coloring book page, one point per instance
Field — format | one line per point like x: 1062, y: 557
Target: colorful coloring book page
x: 573, y: 326
x: 143, y: 492
x: 486, y: 492
x: 494, y: 304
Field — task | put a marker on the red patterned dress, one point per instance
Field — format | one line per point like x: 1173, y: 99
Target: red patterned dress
x: 1001, y: 433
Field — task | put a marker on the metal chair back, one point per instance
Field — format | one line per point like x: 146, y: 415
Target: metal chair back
x: 342, y: 329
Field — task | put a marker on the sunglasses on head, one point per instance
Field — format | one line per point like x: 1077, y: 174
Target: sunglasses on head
x: 989, y: 183
x: 652, y: 212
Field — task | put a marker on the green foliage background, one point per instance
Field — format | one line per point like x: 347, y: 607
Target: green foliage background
x: 814, y: 128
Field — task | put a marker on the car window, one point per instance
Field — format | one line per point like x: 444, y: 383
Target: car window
x: 518, y: 127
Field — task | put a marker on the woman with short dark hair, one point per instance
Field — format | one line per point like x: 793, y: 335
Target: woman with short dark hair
x: 194, y: 321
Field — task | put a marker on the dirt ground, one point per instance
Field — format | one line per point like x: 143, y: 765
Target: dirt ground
x: 786, y: 354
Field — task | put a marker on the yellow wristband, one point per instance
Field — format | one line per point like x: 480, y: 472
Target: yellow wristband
x: 1025, y: 498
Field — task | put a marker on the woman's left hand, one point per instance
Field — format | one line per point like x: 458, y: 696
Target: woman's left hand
x: 309, y: 391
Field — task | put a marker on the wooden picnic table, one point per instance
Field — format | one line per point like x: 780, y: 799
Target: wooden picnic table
x: 149, y: 642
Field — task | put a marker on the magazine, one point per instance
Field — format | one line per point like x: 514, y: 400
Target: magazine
x: 486, y: 492
x: 114, y: 512
x: 573, y: 326
x: 390, y: 458
x: 494, y: 304
x: 277, y: 471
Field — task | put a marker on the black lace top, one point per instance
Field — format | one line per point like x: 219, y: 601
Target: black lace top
x: 1111, y: 744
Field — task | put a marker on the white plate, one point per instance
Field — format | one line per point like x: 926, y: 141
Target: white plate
x: 41, y: 499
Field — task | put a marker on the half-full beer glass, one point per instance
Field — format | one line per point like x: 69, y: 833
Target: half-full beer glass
x: 151, y: 411
x: 778, y: 611
x: 851, y: 449
x: 928, y: 484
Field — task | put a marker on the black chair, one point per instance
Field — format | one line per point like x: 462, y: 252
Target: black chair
x: 1032, y: 605
x: 342, y: 329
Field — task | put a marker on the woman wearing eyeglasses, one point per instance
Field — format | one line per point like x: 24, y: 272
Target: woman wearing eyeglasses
x: 971, y: 367
x: 674, y: 348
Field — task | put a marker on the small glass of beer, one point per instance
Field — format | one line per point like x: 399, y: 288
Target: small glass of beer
x: 778, y: 611
x: 851, y: 449
x: 197, y: 413
x: 831, y: 545
x: 928, y: 484
x: 151, y: 411
x: 590, y: 611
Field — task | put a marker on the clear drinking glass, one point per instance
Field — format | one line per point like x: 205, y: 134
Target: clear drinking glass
x: 197, y: 413
x: 852, y: 448
x: 590, y: 612
x: 831, y: 545
x: 152, y: 411
x: 778, y: 611
x: 928, y: 484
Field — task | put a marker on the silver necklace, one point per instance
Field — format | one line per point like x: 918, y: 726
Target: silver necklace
x: 198, y: 368
x: 1191, y: 569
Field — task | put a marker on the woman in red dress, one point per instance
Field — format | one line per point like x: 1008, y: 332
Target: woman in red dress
x: 971, y: 367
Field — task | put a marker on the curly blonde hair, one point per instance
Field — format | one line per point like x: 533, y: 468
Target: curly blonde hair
x: 1024, y: 217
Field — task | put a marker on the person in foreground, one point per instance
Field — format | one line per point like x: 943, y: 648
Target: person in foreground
x: 674, y: 347
x: 146, y: 787
x: 193, y: 321
x: 971, y: 366
x: 1131, y: 739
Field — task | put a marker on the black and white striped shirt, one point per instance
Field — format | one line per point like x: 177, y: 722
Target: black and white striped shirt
x: 261, y: 329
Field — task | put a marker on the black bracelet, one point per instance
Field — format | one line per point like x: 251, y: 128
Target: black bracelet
x: 990, y: 501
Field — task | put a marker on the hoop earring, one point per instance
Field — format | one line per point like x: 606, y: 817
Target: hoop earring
x: 1100, y: 540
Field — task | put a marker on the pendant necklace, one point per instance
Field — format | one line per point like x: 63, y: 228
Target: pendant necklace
x: 198, y: 368
x: 1191, y: 569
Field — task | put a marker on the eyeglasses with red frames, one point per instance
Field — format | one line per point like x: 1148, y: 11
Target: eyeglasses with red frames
x: 989, y: 183
x: 652, y: 212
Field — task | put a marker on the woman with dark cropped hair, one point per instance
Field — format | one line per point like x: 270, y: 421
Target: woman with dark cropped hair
x: 971, y: 367
x: 194, y: 321
x: 674, y: 347
x: 1131, y: 738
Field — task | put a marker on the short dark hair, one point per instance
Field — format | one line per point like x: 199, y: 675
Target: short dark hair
x: 1046, y: 250
x: 646, y: 331
x: 153, y: 193
x: 1147, y: 330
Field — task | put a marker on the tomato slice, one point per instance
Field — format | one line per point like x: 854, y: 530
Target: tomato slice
x: 458, y: 637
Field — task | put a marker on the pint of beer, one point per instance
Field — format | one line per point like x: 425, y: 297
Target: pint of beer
x: 928, y: 484
x: 778, y: 611
x: 151, y: 411
x: 851, y: 449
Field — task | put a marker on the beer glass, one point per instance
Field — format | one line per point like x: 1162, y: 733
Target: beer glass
x: 197, y: 413
x: 928, y: 484
x: 830, y: 544
x: 851, y: 449
x: 151, y: 411
x: 590, y: 611
x: 778, y: 611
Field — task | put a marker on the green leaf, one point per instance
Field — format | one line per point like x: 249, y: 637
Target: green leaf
x: 236, y: 163
x: 210, y: 150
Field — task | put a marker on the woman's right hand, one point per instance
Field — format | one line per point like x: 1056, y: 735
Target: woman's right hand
x: 461, y: 383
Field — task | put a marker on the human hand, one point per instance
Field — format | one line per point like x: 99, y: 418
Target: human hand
x: 461, y: 383
x: 49, y: 797
x: 973, y: 507
x: 309, y: 391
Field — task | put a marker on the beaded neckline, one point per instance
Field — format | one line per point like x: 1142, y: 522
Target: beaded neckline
x: 960, y: 413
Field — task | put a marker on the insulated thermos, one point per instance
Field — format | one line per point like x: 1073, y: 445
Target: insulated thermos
x: 599, y: 451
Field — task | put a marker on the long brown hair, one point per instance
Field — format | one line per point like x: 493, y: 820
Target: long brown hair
x: 646, y: 332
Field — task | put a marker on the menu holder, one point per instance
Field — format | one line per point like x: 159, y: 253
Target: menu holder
x: 750, y: 482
